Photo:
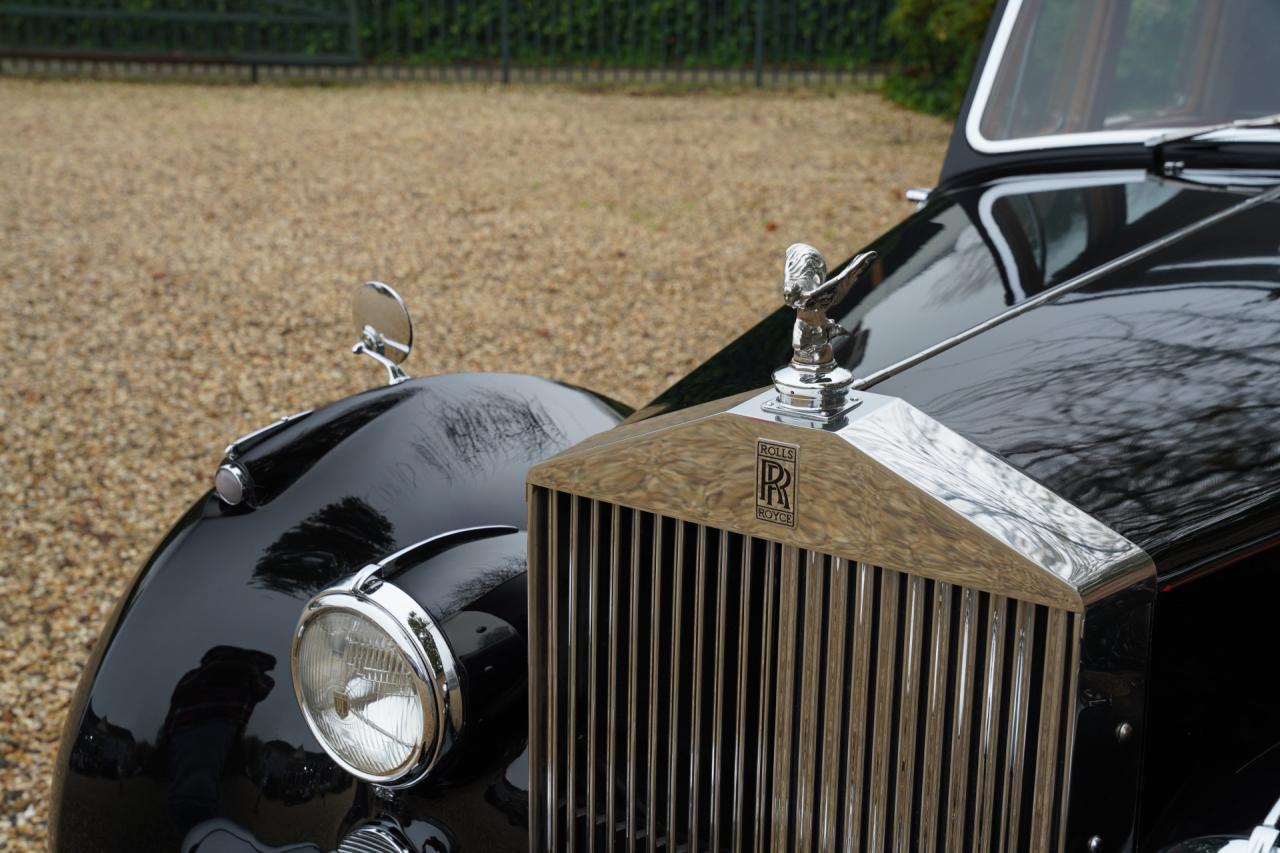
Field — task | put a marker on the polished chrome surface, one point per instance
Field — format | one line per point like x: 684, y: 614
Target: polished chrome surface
x: 384, y: 326
x: 422, y: 644
x: 233, y: 450
x: 374, y: 838
x: 231, y: 483
x: 770, y: 697
x: 813, y: 385
x: 884, y: 484
x: 920, y: 195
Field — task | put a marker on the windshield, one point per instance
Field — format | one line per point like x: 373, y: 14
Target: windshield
x: 1074, y: 72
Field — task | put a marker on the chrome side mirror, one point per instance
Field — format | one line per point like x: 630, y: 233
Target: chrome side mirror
x: 384, y: 326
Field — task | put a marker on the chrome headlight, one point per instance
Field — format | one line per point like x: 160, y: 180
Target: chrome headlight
x: 376, y: 681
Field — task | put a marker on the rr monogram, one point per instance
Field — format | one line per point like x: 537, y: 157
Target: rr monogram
x: 776, y: 482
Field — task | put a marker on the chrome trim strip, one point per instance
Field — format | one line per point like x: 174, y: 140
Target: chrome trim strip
x: 673, y: 730
x: 962, y: 715
x: 931, y: 782
x: 832, y: 718
x: 655, y: 610
x: 989, y: 732
x: 695, y: 719
x: 909, y: 702
x: 767, y: 672
x: 717, y: 704
x: 1073, y: 670
x: 1067, y: 286
x: 611, y: 748
x: 538, y: 621
x: 740, y: 700
x: 593, y: 646
x: 553, y: 655
x: 788, y: 608
x: 1046, y: 756
x: 859, y: 679
x: 633, y: 675
x: 811, y: 670
x: 1018, y: 705
x: 571, y: 735
x: 882, y: 725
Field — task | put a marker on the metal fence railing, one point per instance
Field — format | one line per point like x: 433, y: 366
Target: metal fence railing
x: 743, y: 40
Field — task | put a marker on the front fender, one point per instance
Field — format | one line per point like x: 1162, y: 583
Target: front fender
x: 185, y: 713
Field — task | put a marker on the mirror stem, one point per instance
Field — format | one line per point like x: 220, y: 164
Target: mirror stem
x: 394, y: 374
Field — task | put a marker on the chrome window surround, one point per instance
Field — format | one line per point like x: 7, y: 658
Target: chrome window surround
x: 423, y: 646
x: 986, y: 82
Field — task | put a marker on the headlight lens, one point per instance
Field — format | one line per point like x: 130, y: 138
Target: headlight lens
x: 376, y: 682
x: 361, y: 693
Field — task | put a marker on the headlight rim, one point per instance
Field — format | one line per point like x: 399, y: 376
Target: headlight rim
x: 439, y: 687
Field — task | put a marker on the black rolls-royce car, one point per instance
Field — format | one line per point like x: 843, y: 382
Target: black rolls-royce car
x: 973, y: 544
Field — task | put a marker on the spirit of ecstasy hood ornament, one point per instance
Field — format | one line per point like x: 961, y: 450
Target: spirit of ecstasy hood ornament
x: 813, y: 385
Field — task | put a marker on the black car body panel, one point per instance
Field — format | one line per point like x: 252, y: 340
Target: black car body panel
x: 186, y: 713
x: 1150, y: 398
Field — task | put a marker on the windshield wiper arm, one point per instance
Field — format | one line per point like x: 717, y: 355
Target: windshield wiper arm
x: 1195, y: 132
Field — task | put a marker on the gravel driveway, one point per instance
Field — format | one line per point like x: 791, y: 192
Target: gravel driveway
x: 176, y: 263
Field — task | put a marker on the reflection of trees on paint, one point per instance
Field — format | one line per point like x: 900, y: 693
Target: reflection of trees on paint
x: 329, y: 544
x: 1163, y: 419
x: 290, y: 774
x: 486, y: 428
x: 422, y: 632
x: 481, y: 582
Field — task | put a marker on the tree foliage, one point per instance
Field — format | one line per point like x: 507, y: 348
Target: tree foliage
x: 937, y: 44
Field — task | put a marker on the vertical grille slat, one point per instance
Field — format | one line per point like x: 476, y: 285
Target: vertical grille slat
x: 571, y: 718
x: 810, y: 667
x: 788, y: 611
x: 718, y: 704
x: 764, y: 756
x: 740, y: 768
x: 961, y: 718
x: 593, y: 646
x: 988, y: 744
x: 697, y: 689
x: 1019, y: 710
x: 931, y: 781
x: 554, y: 679
x: 634, y: 615
x: 611, y: 742
x: 656, y: 612
x: 538, y: 619
x: 695, y: 722
x: 859, y: 680
x: 673, y: 729
x: 1056, y: 634
x: 909, y: 691
x: 882, y: 718
x: 832, y: 746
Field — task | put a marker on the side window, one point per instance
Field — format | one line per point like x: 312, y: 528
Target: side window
x: 1153, y: 68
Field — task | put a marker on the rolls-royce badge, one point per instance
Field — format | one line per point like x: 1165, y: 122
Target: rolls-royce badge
x: 776, y: 481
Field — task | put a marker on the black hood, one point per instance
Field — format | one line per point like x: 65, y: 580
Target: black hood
x: 1150, y: 398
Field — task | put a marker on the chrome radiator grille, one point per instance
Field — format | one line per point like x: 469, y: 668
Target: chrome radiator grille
x: 697, y: 689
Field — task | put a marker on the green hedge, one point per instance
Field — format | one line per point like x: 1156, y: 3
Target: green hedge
x: 937, y: 45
